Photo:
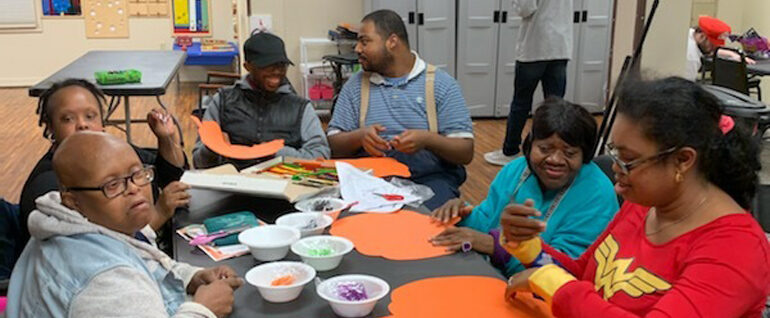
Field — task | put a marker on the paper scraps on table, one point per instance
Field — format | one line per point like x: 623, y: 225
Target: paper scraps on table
x: 358, y: 186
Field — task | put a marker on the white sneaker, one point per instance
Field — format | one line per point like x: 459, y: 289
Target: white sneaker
x: 498, y: 158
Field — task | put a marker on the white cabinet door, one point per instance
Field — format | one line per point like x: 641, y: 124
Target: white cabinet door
x: 407, y: 9
x: 569, y: 94
x: 436, y: 33
x: 591, y: 78
x: 477, y: 37
x: 506, y: 60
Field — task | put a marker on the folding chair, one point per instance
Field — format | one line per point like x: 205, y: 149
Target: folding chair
x: 733, y: 74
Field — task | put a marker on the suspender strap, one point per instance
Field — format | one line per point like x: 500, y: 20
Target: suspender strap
x: 364, y: 99
x: 430, y: 98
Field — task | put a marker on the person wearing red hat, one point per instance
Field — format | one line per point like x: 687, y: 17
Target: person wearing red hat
x: 704, y: 40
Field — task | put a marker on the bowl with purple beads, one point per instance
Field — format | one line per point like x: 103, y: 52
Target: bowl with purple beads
x: 353, y: 295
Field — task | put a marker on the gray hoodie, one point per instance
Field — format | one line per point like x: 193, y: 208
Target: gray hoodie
x: 55, y: 278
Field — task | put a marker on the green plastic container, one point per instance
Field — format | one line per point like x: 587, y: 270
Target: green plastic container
x: 118, y: 77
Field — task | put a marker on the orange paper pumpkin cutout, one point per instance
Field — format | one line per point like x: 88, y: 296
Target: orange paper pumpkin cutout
x: 381, y: 166
x: 211, y: 136
x: 402, y: 235
x: 461, y: 297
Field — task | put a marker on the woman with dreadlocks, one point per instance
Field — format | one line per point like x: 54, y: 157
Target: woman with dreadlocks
x: 76, y: 105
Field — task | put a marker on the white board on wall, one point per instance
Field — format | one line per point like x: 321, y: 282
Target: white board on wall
x: 19, y: 14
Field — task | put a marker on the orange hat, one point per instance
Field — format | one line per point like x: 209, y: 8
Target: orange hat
x: 714, y: 29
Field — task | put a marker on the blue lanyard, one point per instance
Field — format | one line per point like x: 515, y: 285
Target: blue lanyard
x: 556, y: 200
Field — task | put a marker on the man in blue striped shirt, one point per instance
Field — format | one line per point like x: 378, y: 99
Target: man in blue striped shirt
x: 396, y: 118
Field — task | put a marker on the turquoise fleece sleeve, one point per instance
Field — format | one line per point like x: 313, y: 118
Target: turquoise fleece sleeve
x: 486, y: 216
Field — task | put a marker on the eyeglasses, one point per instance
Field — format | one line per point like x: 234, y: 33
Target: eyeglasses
x: 626, y: 167
x: 116, y: 187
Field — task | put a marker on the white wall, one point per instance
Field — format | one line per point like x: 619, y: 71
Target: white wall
x: 665, y: 49
x: 623, y: 40
x: 731, y: 11
x: 293, y: 19
x: 26, y: 58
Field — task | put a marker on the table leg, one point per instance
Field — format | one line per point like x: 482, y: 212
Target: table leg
x: 160, y: 102
x: 128, y: 120
x: 114, y: 103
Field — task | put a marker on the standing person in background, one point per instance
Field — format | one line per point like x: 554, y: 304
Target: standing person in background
x: 543, y: 49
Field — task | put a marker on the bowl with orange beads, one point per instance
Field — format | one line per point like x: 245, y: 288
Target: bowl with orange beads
x: 280, y: 282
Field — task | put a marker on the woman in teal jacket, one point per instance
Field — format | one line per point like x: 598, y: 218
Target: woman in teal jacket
x: 575, y: 198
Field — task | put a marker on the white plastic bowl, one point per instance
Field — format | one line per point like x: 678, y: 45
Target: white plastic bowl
x: 269, y: 242
x: 376, y: 288
x: 333, y: 206
x: 263, y: 275
x: 339, y: 245
x: 300, y: 220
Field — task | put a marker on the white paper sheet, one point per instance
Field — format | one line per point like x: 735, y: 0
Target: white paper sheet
x: 356, y: 185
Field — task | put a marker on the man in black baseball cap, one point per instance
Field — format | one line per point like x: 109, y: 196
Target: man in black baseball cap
x: 266, y: 60
x: 263, y: 107
x: 265, y: 49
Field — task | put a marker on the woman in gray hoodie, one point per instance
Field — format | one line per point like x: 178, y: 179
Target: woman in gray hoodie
x: 91, y: 252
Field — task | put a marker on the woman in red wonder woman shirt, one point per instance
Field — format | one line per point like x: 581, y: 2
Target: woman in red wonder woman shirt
x: 683, y: 244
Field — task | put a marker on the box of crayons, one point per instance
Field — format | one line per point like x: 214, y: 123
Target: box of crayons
x: 301, y: 172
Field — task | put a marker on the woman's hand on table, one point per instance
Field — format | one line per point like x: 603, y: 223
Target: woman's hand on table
x: 519, y: 282
x: 451, y: 209
x: 214, y: 274
x: 517, y: 222
x: 454, y: 237
x: 218, y: 296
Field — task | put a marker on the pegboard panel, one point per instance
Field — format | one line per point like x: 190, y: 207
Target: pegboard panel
x: 106, y: 18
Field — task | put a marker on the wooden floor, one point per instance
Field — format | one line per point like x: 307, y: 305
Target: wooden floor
x: 23, y: 144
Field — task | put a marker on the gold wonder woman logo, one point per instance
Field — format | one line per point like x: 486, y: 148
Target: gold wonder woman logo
x: 612, y: 274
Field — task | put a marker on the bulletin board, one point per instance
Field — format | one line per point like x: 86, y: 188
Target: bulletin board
x: 191, y: 18
x: 106, y: 18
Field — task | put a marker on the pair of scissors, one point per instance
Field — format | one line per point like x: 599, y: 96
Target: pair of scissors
x: 390, y: 197
x: 205, y: 239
